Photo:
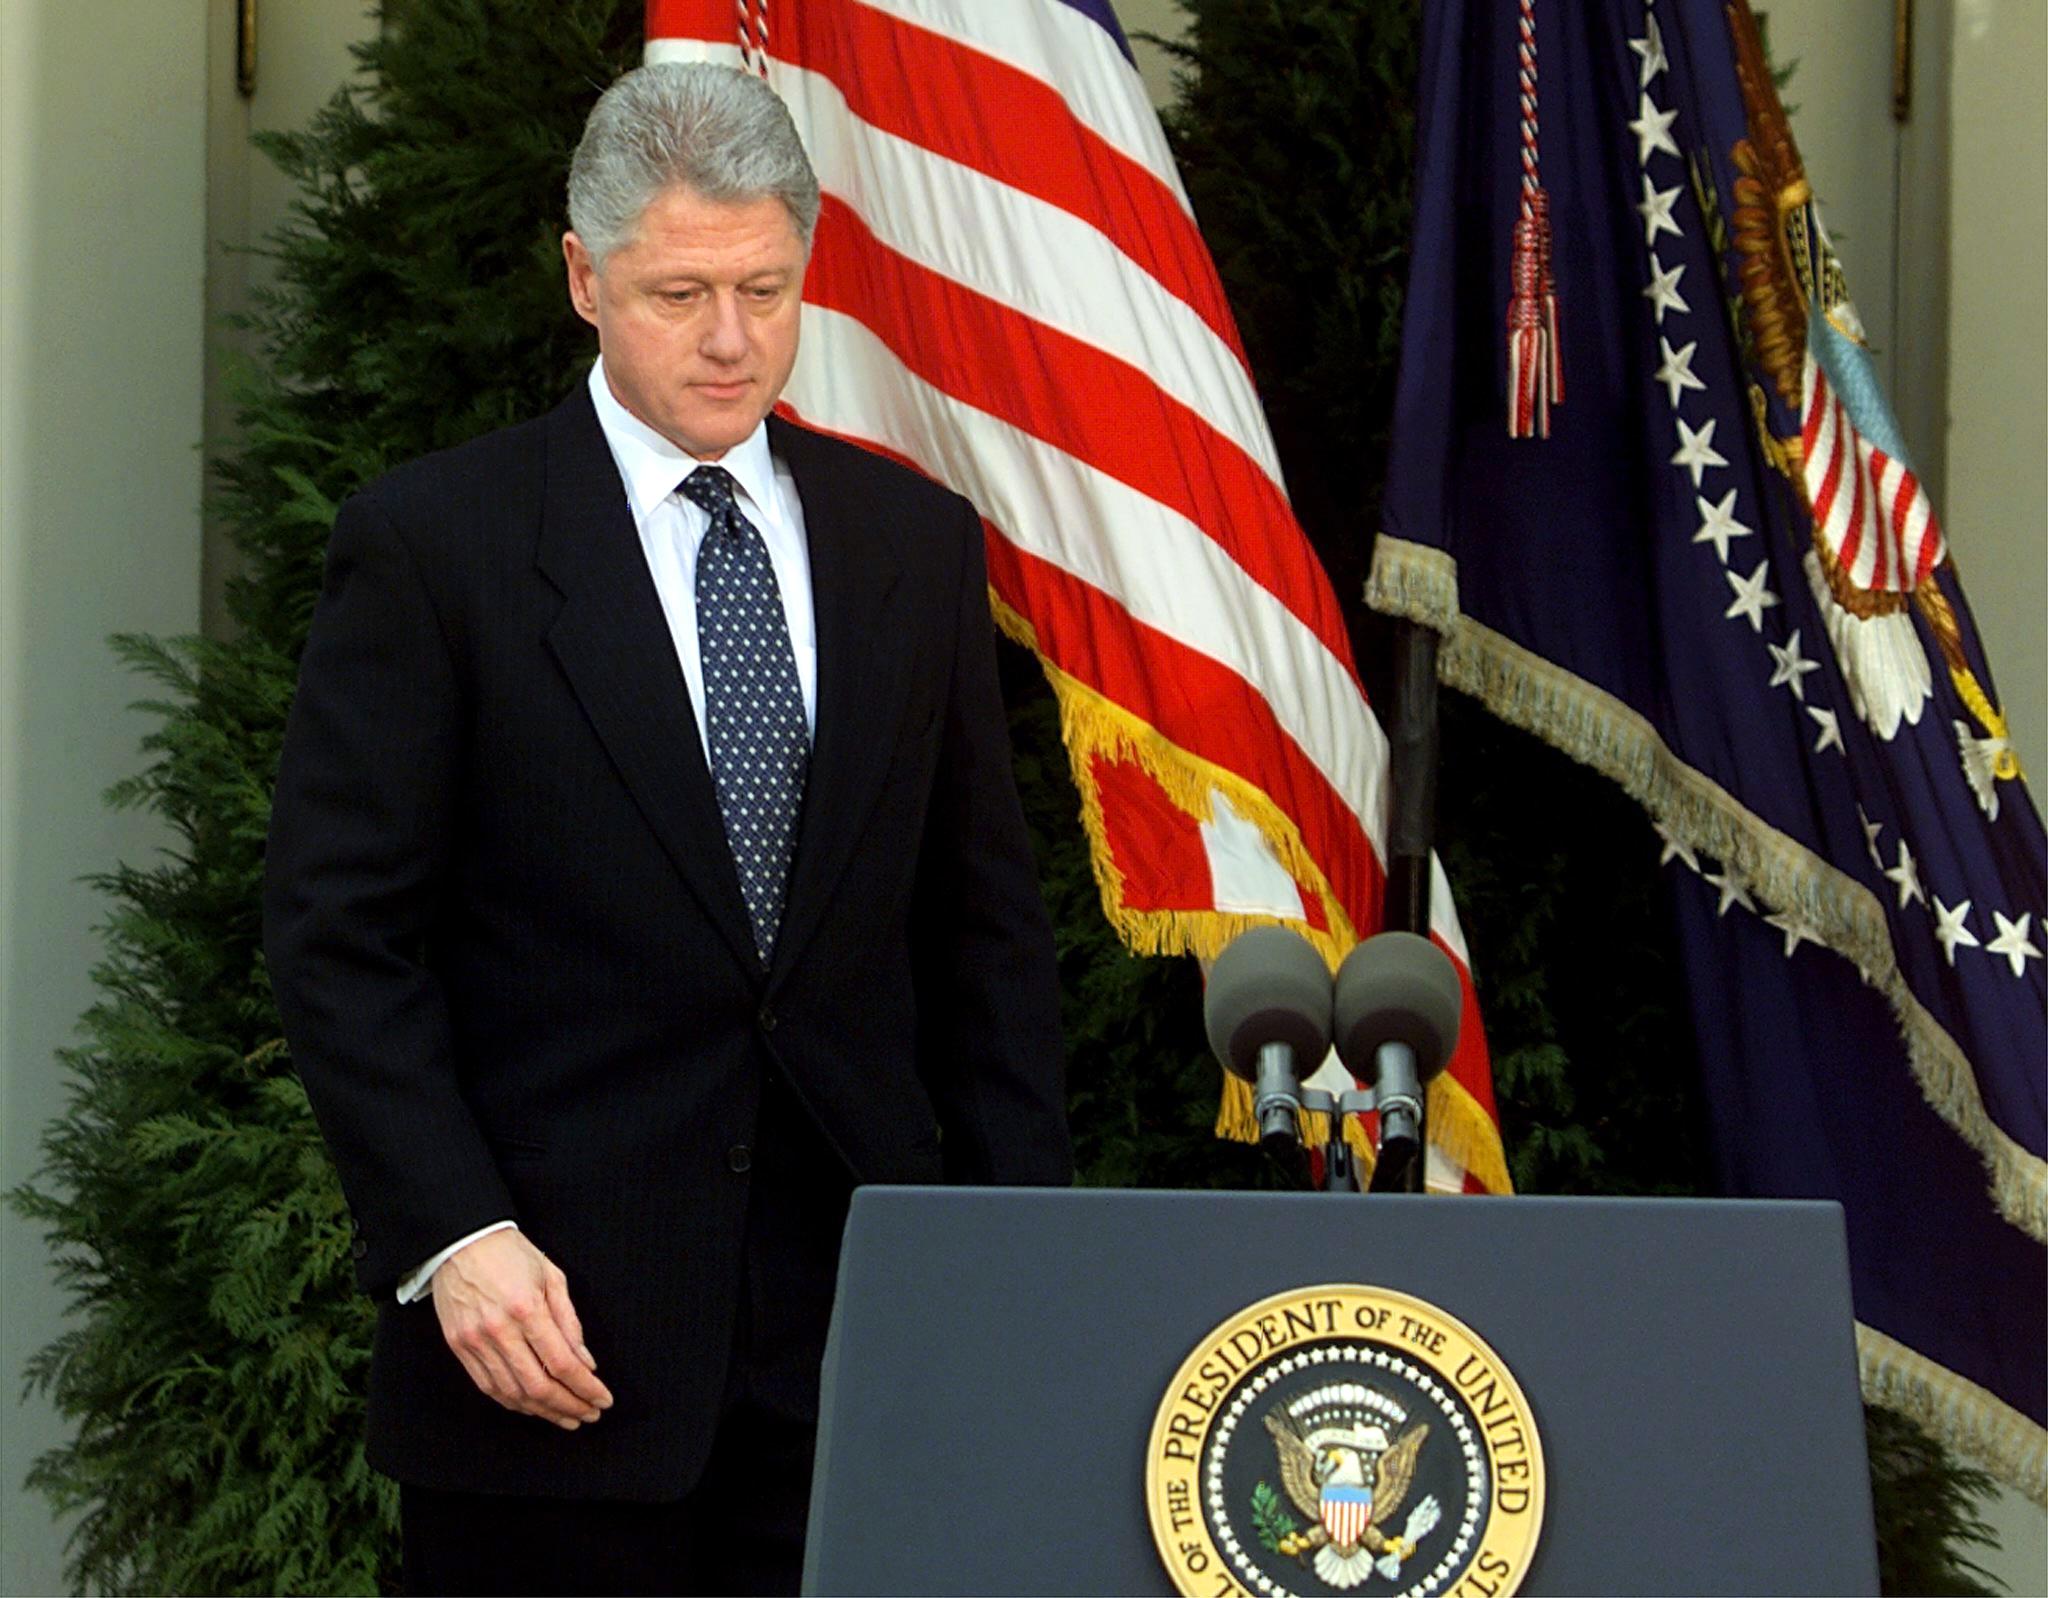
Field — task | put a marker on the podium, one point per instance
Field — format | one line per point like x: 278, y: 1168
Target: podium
x: 998, y: 1356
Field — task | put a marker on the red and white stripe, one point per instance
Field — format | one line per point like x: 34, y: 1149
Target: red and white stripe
x: 1871, y: 512
x: 1345, y: 1519
x: 1008, y: 291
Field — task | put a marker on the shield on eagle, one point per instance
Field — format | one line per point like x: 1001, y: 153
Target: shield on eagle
x: 1346, y: 1512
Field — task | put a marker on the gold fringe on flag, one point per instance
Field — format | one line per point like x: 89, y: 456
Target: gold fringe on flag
x: 1596, y: 729
x: 1093, y: 725
x: 1831, y: 907
x: 1963, y: 1415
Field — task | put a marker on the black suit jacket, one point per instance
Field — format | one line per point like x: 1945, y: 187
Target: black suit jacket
x: 512, y: 959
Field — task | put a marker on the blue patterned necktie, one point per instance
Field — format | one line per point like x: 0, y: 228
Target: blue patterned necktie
x: 753, y: 702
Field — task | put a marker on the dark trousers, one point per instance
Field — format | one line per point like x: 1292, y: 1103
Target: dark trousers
x: 740, y: 1529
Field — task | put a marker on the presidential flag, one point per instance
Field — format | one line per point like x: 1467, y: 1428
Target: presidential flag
x: 1008, y: 291
x: 1646, y: 485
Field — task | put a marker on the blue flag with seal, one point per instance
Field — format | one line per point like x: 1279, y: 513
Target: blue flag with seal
x: 1646, y: 486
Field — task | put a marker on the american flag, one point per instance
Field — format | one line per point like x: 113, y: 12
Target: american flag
x: 1009, y: 292
x: 1718, y: 582
x: 1878, y: 523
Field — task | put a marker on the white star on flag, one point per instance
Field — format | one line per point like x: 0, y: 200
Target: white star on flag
x: 1655, y: 210
x: 1696, y: 450
x: 1870, y: 831
x: 1830, y: 729
x: 1732, y: 890
x: 1662, y: 289
x: 1907, y: 875
x: 1672, y: 847
x: 1718, y: 523
x: 1789, y: 668
x: 1676, y: 371
x: 1794, y: 934
x: 1650, y: 51
x: 1652, y: 129
x: 2013, y: 943
x: 1949, y: 929
x: 1752, y: 594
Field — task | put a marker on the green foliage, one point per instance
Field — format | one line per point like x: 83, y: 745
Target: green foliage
x: 1578, y: 980
x: 1269, y: 1519
x: 1294, y: 132
x: 197, y: 1223
x: 1926, y: 1506
x: 214, y: 1362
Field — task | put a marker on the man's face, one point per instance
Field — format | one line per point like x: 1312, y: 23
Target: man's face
x: 696, y: 315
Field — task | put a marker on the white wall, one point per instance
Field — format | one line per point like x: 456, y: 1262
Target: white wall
x: 1994, y: 497
x: 1997, y: 507
x: 102, y: 260
x: 1155, y: 66
x: 1997, y: 503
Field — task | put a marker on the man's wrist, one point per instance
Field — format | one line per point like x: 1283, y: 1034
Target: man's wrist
x: 420, y: 1282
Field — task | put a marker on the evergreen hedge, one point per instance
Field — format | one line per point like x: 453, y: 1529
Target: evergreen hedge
x: 213, y: 1366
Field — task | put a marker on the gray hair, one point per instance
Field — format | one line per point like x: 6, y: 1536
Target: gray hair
x: 719, y: 132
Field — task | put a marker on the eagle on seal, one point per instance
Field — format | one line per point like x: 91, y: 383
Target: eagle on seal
x: 1349, y: 1480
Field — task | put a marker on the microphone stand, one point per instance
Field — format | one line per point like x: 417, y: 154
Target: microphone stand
x: 1340, y: 1170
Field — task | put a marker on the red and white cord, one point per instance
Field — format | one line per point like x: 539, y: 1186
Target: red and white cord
x: 1535, y: 366
x: 753, y: 34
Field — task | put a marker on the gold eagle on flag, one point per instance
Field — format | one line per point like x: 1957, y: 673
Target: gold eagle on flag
x: 1877, y: 545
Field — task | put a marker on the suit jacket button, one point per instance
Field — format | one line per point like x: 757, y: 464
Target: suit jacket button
x: 740, y: 1158
x: 767, y: 1019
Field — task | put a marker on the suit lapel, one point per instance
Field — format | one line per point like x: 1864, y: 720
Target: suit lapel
x: 854, y: 579
x: 613, y: 643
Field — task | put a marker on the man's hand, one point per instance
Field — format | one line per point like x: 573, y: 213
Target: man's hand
x: 505, y: 1313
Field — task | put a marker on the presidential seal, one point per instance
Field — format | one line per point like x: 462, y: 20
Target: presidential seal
x: 1344, y: 1439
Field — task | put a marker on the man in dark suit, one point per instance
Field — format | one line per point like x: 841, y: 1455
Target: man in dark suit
x: 646, y: 870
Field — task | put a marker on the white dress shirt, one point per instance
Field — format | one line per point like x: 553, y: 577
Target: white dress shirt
x: 672, y: 530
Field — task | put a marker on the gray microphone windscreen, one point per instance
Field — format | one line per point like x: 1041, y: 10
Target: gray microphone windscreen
x: 1269, y: 986
x: 1397, y: 987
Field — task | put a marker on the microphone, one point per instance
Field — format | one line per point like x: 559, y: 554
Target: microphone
x: 1267, y: 1011
x: 1397, y: 1004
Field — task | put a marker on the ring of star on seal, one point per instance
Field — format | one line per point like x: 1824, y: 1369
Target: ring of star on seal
x: 1342, y: 1439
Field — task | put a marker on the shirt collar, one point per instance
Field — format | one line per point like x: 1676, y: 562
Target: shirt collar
x: 651, y: 466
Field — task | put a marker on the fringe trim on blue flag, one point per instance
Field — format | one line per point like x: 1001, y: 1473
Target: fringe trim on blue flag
x: 1420, y: 584
x: 1964, y: 1415
x: 1522, y: 688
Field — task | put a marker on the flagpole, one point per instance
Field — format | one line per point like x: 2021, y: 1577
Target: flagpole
x: 1413, y: 749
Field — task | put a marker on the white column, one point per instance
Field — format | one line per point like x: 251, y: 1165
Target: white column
x: 102, y: 268
x: 1997, y: 509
